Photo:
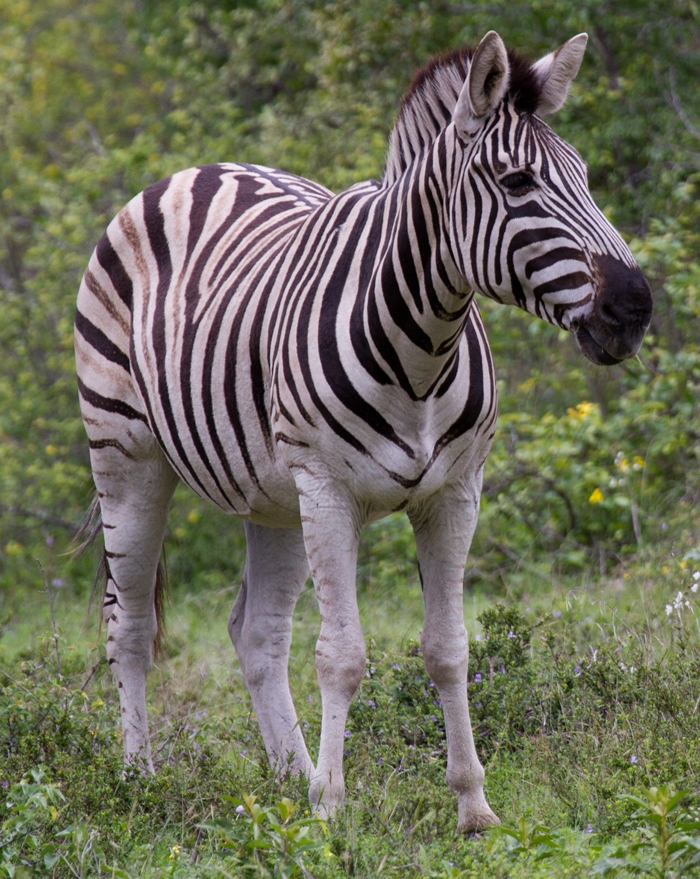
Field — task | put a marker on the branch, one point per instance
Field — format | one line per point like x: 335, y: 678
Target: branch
x: 39, y: 514
x: 53, y: 617
x: 676, y: 104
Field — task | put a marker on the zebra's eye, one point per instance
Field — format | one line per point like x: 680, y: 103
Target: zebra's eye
x: 517, y: 182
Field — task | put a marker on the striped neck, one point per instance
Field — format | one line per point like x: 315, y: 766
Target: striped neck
x: 419, y: 286
x: 425, y: 111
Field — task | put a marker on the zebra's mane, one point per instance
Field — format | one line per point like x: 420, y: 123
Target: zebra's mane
x: 426, y: 108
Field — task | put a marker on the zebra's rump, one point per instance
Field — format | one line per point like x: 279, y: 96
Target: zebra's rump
x: 172, y: 322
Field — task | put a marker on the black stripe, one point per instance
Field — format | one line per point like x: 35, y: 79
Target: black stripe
x: 110, y: 262
x: 100, y: 342
x: 118, y: 407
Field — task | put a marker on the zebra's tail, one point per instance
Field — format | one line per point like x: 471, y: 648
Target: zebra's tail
x: 86, y: 535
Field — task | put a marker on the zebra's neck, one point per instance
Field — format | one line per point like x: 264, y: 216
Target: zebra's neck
x: 418, y: 294
x: 425, y: 111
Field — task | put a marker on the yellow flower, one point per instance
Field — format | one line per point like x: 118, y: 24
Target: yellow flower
x: 175, y: 852
x: 583, y: 410
x: 51, y: 450
x: 193, y: 516
x: 624, y: 465
x: 13, y: 548
x: 596, y: 497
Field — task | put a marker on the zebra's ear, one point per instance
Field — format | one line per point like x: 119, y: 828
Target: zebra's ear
x: 485, y: 85
x: 556, y: 71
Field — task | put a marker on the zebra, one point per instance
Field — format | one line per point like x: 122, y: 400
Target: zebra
x: 311, y: 362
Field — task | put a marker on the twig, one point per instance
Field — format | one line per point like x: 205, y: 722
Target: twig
x: 53, y: 617
x: 193, y: 856
x: 678, y: 107
x: 94, y: 669
x: 39, y: 514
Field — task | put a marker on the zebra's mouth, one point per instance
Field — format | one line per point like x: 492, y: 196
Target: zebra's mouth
x: 592, y: 349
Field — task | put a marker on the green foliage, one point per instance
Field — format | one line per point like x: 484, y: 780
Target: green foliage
x: 266, y: 842
x: 31, y: 805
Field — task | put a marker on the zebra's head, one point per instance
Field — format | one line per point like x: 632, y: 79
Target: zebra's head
x: 524, y: 228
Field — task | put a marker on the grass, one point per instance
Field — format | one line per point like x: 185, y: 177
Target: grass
x: 584, y: 691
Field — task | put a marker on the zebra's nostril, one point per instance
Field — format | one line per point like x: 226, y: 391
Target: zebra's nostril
x: 609, y: 315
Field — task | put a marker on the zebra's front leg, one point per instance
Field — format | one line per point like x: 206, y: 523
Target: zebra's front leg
x: 332, y: 521
x: 444, y: 527
x: 260, y: 626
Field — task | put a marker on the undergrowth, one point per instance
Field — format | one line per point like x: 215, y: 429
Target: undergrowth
x: 590, y: 743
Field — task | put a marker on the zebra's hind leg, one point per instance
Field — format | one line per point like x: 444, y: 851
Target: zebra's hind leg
x: 260, y: 626
x: 135, y: 483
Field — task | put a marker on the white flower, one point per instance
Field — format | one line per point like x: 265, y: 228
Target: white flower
x: 696, y: 575
x: 669, y: 610
x: 694, y: 587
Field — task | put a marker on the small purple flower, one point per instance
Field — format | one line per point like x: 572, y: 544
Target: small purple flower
x: 57, y: 582
x: 577, y: 669
x: 477, y: 678
x: 589, y: 828
x: 371, y: 703
x: 240, y: 810
x: 396, y: 666
x: 503, y: 669
x: 347, y: 733
x: 633, y: 759
x: 4, y: 784
x: 511, y: 634
x: 556, y: 614
x: 478, y: 704
x: 50, y: 540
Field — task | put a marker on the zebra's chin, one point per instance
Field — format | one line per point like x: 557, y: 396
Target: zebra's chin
x: 594, y: 351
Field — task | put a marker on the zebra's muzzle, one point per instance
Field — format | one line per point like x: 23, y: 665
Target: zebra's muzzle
x: 592, y: 349
x: 621, y: 313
